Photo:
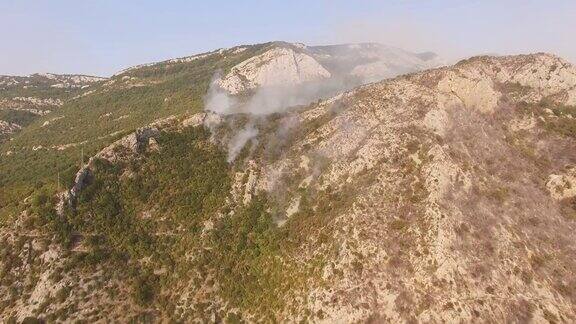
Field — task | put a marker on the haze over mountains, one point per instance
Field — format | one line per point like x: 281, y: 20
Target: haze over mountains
x: 281, y: 182
x: 344, y: 66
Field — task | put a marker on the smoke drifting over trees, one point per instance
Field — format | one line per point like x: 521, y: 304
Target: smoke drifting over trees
x: 263, y: 102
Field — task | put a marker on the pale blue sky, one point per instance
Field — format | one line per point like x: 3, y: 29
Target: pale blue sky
x: 103, y: 36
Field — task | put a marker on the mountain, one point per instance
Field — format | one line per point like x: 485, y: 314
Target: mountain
x: 444, y: 195
x: 24, y: 99
x: 63, y: 117
x: 350, y: 64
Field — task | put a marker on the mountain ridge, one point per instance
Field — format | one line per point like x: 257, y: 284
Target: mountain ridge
x: 441, y: 195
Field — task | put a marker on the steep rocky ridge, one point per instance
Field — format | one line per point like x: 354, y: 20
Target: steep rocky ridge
x: 424, y: 167
x: 454, y: 190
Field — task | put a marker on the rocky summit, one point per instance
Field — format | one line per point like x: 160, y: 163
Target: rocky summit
x: 284, y: 183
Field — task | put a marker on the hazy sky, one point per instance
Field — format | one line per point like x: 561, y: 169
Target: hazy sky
x: 103, y: 36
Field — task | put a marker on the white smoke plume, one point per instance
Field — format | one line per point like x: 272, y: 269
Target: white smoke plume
x: 217, y: 99
x: 265, y: 101
x: 239, y: 140
x: 268, y: 100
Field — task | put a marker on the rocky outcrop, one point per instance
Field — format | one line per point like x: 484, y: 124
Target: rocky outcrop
x: 194, y: 120
x: 372, y: 61
x: 545, y: 75
x: 129, y: 145
x: 123, y: 149
x: 8, y: 128
x: 372, y: 71
x: 562, y: 186
x: 62, y: 81
x: 286, y: 64
x: 10, y: 104
x: 279, y: 66
x: 39, y: 101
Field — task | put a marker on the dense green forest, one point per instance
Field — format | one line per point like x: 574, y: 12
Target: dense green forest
x: 157, y: 208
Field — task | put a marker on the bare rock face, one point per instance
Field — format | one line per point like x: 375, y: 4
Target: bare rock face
x: 69, y: 80
x: 40, y: 102
x: 372, y: 71
x: 131, y: 144
x: 562, y: 186
x: 473, y: 90
x: 194, y: 120
x: 8, y: 128
x: 275, y: 67
x: 547, y: 74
